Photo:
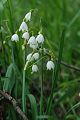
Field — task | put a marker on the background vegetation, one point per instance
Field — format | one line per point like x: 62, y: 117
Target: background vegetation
x: 60, y: 21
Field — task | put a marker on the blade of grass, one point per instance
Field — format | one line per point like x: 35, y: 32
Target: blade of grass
x: 11, y: 26
x: 57, y: 67
x: 73, y: 107
x: 74, y: 19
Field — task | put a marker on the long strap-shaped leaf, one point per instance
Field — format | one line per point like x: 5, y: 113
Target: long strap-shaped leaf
x: 33, y: 106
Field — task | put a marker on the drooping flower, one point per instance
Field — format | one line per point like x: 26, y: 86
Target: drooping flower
x: 50, y: 65
x: 34, y: 68
x: 30, y: 57
x: 28, y: 16
x: 25, y: 35
x: 32, y: 42
x: 15, y: 37
x: 40, y: 38
x: 34, y: 46
x: 36, y: 56
x: 23, y: 27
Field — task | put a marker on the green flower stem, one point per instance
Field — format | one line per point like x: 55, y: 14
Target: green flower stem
x: 23, y: 93
x: 41, y: 98
x: 23, y: 87
x: 57, y: 67
x: 56, y: 72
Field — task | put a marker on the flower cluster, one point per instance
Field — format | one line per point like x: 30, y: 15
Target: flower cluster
x: 33, y: 42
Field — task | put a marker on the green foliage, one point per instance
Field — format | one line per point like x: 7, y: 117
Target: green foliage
x: 33, y: 103
x: 59, y: 21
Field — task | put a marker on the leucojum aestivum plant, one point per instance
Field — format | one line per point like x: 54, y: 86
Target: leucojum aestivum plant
x: 32, y: 59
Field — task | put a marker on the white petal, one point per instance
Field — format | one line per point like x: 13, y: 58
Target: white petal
x: 50, y: 65
x: 30, y: 57
x: 32, y: 40
x: 15, y: 37
x: 23, y: 27
x: 34, y: 46
x: 36, y: 56
x: 25, y: 35
x: 40, y: 38
x: 28, y: 16
x: 34, y: 68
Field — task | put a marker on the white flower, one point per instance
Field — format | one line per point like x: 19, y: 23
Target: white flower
x: 34, y: 46
x: 15, y: 37
x: 32, y: 40
x: 40, y: 38
x: 36, y: 56
x: 33, y: 43
x: 34, y: 68
x: 30, y: 57
x: 25, y: 35
x: 50, y: 65
x: 28, y: 16
x: 23, y: 27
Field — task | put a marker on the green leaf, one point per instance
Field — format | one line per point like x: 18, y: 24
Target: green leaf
x: 12, y: 79
x: 45, y: 117
x: 2, y: 2
x: 33, y: 106
x: 9, y: 77
x: 1, y: 7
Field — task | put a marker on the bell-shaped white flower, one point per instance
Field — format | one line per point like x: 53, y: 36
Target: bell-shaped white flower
x: 34, y: 68
x: 50, y: 65
x: 32, y: 40
x: 30, y: 57
x: 34, y: 46
x: 15, y: 37
x: 28, y: 16
x: 25, y: 36
x: 36, y: 56
x: 40, y: 38
x: 23, y: 27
